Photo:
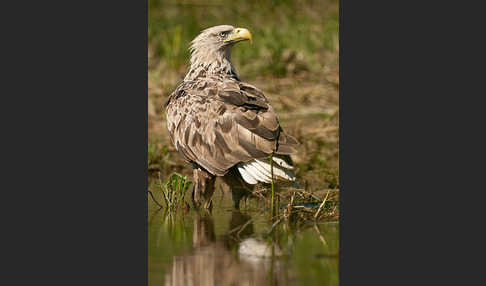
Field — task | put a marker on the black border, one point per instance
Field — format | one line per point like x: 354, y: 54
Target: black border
x: 76, y: 179
x: 405, y: 95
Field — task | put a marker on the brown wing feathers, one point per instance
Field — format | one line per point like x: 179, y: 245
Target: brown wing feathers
x: 218, y: 124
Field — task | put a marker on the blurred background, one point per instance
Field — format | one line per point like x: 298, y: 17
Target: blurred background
x: 294, y: 59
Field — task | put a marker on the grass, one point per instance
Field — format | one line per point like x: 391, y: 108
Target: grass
x: 273, y: 202
x: 288, y: 35
x: 158, y: 156
x: 301, y: 207
x: 174, y: 192
x: 294, y: 59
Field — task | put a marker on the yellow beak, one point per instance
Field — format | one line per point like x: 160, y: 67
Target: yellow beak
x: 240, y: 34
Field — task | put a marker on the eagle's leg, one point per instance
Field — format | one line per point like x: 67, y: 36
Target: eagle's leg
x: 203, y: 188
x: 239, y: 189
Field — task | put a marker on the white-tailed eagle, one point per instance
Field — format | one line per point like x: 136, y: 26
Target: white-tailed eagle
x: 224, y: 126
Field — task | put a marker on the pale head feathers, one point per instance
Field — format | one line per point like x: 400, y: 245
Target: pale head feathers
x: 210, y: 54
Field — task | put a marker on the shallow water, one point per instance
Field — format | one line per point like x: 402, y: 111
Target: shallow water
x: 230, y: 247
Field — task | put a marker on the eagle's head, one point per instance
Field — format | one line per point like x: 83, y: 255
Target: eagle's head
x: 213, y: 45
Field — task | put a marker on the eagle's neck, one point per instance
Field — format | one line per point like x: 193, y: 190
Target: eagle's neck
x: 211, y: 64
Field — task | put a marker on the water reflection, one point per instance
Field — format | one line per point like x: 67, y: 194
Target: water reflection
x: 235, y: 248
x: 238, y: 258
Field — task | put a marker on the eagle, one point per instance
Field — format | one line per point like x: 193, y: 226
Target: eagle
x: 223, y: 126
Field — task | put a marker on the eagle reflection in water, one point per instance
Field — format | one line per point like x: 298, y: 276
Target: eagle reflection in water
x: 231, y: 260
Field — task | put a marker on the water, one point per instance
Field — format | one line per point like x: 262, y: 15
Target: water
x: 230, y: 247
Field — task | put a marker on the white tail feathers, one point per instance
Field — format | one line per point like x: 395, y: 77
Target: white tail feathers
x: 282, y: 163
x: 260, y: 171
x: 247, y: 176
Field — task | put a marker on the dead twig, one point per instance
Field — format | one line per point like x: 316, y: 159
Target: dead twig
x: 275, y: 224
x: 243, y: 227
x: 320, y: 207
x: 153, y: 198
x: 240, y: 227
x: 321, y: 237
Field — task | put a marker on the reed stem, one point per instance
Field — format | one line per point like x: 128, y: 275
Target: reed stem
x: 272, y: 206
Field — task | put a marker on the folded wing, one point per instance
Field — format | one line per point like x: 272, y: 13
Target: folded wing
x: 218, y: 124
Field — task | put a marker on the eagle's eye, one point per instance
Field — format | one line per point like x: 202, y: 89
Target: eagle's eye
x: 222, y: 34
